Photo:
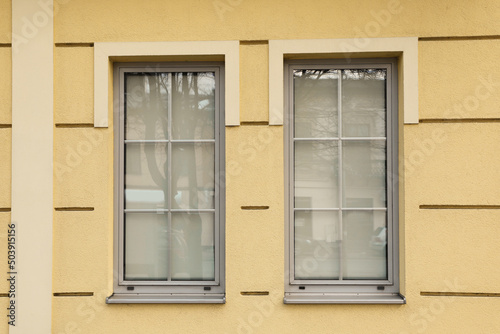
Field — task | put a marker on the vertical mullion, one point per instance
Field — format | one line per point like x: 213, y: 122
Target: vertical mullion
x: 217, y: 161
x: 121, y: 181
x: 169, y: 176
x: 389, y: 172
x: 291, y: 181
x: 340, y: 177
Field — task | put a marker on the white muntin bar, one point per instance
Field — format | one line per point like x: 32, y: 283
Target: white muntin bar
x: 169, y: 177
x: 341, y: 175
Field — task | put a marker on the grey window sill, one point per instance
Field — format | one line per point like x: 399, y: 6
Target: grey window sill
x: 325, y: 298
x: 166, y: 299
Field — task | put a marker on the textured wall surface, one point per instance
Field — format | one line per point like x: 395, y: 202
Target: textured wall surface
x: 449, y: 199
x: 5, y: 21
x: 261, y: 19
x: 446, y: 164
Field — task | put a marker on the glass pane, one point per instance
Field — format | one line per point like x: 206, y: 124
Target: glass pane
x: 315, y: 103
x: 145, y: 175
x: 146, y: 246
x: 364, y: 168
x: 316, y: 245
x: 193, y: 252
x: 364, y: 103
x: 316, y: 174
x: 364, y: 245
x: 193, y: 105
x: 193, y: 185
x: 146, y: 105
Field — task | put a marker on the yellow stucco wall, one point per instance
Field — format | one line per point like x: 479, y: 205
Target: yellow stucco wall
x: 455, y: 77
x: 5, y: 85
x: 81, y: 179
x: 254, y: 83
x: 452, y: 244
x: 73, y: 85
x: 261, y: 19
x: 5, y: 21
x: 445, y: 164
x: 254, y: 151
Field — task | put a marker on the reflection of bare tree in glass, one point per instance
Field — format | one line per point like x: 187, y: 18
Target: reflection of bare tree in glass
x: 191, y: 226
x: 316, y: 101
x: 185, y: 238
x: 154, y: 125
x: 316, y: 94
x: 316, y: 107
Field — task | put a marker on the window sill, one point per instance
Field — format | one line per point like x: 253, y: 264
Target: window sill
x: 166, y: 299
x: 324, y: 298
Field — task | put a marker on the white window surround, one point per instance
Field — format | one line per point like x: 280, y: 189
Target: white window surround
x: 105, y: 51
x: 404, y: 47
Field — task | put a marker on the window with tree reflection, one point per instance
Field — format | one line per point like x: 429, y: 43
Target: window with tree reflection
x: 342, y: 144
x: 170, y: 216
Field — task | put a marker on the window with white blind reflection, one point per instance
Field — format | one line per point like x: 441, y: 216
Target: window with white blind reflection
x: 169, y: 200
x: 342, y: 216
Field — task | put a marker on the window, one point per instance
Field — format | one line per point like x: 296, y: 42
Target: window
x: 169, y: 202
x: 342, y: 195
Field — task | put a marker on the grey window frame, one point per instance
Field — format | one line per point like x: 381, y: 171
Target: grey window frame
x: 352, y: 291
x: 198, y: 292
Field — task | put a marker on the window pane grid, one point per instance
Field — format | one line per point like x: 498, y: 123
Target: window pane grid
x: 169, y: 211
x: 343, y: 200
x: 340, y: 181
x: 169, y: 182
